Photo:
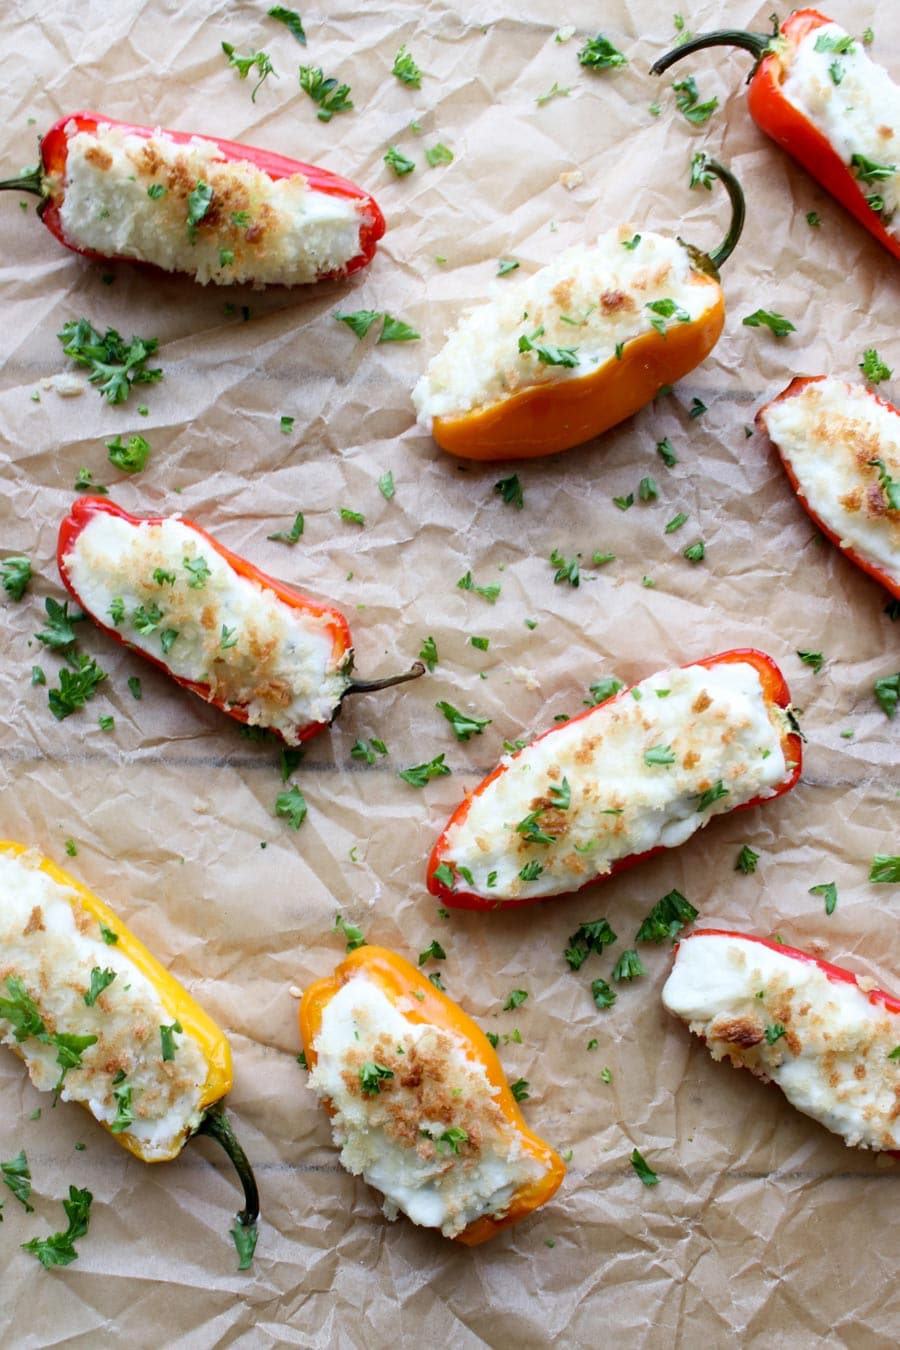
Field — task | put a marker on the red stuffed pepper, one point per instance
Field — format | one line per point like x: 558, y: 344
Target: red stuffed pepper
x: 828, y: 1038
x: 217, y: 210
x: 638, y: 773
x: 840, y: 447
x: 220, y: 627
x: 817, y: 94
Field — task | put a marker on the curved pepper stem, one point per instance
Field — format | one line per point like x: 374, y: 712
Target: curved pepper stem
x: 758, y: 44
x: 370, y: 686
x: 715, y: 258
x: 30, y: 180
x: 216, y: 1124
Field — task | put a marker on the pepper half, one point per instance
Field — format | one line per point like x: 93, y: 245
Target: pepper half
x: 638, y: 773
x: 215, y: 209
x: 847, y: 172
x: 76, y: 978
x: 237, y: 637
x: 521, y: 394
x: 432, y: 1072
x: 827, y: 1037
x: 839, y: 444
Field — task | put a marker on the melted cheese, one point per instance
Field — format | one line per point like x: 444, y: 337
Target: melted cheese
x: 252, y: 649
x: 858, y: 116
x: 828, y: 433
x: 717, y: 726
x: 392, y: 1137
x: 589, y: 298
x: 51, y: 944
x: 833, y: 1061
x: 285, y: 233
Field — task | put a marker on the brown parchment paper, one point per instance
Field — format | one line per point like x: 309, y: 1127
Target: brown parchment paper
x: 763, y: 1229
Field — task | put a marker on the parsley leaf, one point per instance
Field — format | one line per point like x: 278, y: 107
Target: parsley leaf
x: 827, y: 889
x: 406, y: 70
x: 75, y: 688
x: 826, y: 42
x: 531, y: 871
x: 519, y: 1089
x: 867, y: 171
x: 686, y: 100
x: 464, y: 725
x: 167, y: 1040
x: 603, y: 996
x: 629, y: 966
x: 16, y: 572
x: 667, y: 917
x: 746, y: 860
x: 123, y: 1093
x: 352, y: 517
x: 359, y: 750
x: 890, y: 486
x: 84, y: 482
x: 59, y: 1249
x: 510, y: 489
x: 199, y: 202
x: 292, y: 805
x: 293, y: 23
x: 659, y: 754
x: 813, y: 219
x: 116, y: 366
x: 774, y: 1033
x: 16, y: 1176
x: 873, y: 368
x: 814, y: 659
x: 488, y: 592
x: 695, y: 553
x: 603, y: 690
x: 887, y: 692
x: 372, y: 1075
x: 433, y: 952
x: 293, y: 534
x: 331, y: 97
x: 676, y: 523
x: 779, y: 325
x: 395, y: 159
x: 505, y: 266
x: 438, y: 154
x: 599, y: 54
x: 429, y: 653
x: 350, y: 931
x: 244, y: 64
x: 885, y: 869
x: 548, y: 355
x: 395, y: 330
x: 567, y: 569
x: 666, y: 309
x: 100, y: 980
x: 643, y: 1169
x: 420, y: 774
x: 587, y: 938
x: 711, y: 795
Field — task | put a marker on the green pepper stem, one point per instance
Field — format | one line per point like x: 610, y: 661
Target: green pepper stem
x: 217, y: 1126
x: 755, y: 43
x: 738, y: 209
x: 370, y: 686
x: 30, y: 180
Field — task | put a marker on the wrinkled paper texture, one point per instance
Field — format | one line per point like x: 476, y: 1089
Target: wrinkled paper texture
x: 763, y: 1229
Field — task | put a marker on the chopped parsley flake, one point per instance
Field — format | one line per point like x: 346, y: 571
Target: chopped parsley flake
x: 885, y: 869
x: 774, y: 1032
x: 603, y: 996
x: 395, y: 159
x: 566, y: 569
x: 510, y: 489
x: 420, y: 774
x: 505, y: 266
x: 372, y: 1075
x: 687, y: 102
x: 406, y: 70
x: 353, y: 935
x: 887, y: 693
x: 873, y: 368
x: 828, y: 889
x: 814, y: 659
x: 438, y: 154
x: 599, y: 54
x: 643, y: 1169
x: 292, y: 805
x: 666, y: 453
x: 115, y: 365
x: 465, y: 725
x: 667, y: 918
x: 326, y: 92
x: 776, y: 323
x: 429, y: 653
x: 258, y: 61
x: 746, y: 860
x: 288, y: 536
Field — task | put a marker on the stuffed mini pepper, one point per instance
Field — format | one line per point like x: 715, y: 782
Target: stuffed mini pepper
x: 828, y: 1038
x: 97, y: 1020
x: 840, y: 446
x: 419, y: 1103
x: 814, y: 90
x: 220, y: 627
x: 580, y: 345
x: 641, y: 772
x: 215, y: 209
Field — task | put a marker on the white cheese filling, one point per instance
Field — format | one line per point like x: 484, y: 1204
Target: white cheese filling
x: 130, y: 196
x: 431, y: 1137
x: 172, y: 595
x: 855, y: 104
x: 590, y: 299
x: 643, y: 771
x: 828, y: 433
x: 832, y: 1061
x: 52, y: 948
